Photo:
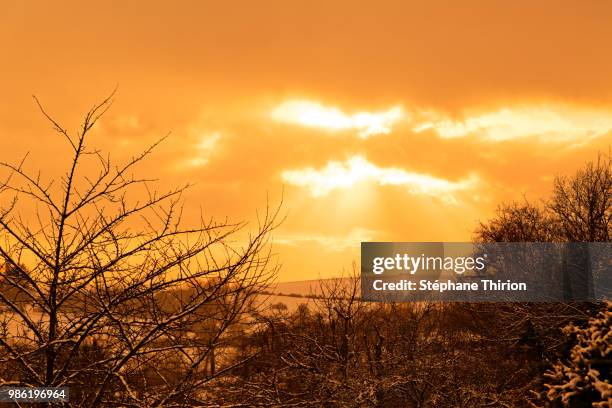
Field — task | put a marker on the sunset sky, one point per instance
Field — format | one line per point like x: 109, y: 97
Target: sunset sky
x: 380, y: 121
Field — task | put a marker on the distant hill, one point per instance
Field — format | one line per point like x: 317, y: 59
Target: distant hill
x: 295, y: 293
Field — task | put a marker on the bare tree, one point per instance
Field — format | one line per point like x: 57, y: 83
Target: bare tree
x: 582, y: 205
x: 579, y: 210
x: 517, y: 222
x: 110, y: 293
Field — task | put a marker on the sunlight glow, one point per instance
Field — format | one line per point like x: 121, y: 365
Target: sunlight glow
x: 313, y: 114
x: 338, y: 175
x: 329, y: 242
x: 549, y: 124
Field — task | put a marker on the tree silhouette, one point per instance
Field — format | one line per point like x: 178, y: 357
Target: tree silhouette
x: 123, y: 301
x: 582, y: 205
x: 579, y: 210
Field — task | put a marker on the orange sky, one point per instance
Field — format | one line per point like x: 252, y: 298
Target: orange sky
x: 399, y: 121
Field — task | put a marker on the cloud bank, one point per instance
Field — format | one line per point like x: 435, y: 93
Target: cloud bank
x: 340, y: 175
x: 314, y: 114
